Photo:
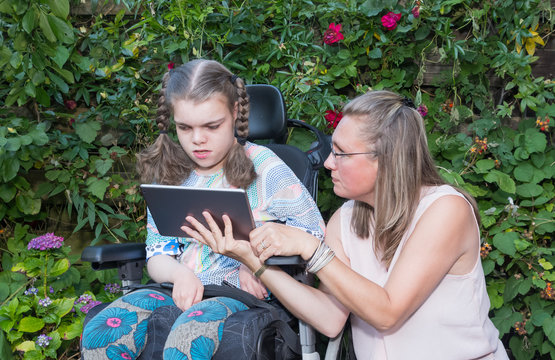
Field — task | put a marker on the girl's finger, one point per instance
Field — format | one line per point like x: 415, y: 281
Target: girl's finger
x: 214, y: 228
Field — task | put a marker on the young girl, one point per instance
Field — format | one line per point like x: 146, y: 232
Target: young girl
x: 210, y: 109
x: 402, y: 256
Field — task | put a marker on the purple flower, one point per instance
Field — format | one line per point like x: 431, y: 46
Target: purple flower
x: 83, y: 299
x: 45, y: 302
x: 423, y: 110
x: 46, y: 241
x: 87, y: 307
x: 43, y: 340
x: 31, y: 291
x: 112, y: 288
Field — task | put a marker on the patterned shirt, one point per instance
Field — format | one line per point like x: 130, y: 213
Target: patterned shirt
x: 276, y: 194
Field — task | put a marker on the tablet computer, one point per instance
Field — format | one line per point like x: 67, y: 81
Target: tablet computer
x: 169, y: 206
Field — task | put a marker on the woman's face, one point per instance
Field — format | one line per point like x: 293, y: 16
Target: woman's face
x: 205, y: 131
x: 353, y: 176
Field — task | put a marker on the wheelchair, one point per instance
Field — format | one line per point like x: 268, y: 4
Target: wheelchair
x: 268, y: 124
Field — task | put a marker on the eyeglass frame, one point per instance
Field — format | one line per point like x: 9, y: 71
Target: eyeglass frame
x: 336, y: 154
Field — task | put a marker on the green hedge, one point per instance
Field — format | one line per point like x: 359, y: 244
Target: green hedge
x: 78, y: 95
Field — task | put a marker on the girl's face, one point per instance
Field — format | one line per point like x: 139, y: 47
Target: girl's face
x: 205, y: 131
x: 353, y: 176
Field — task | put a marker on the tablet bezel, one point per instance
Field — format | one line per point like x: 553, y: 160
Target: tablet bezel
x: 169, y: 205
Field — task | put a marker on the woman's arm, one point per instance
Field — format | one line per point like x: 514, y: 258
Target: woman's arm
x: 445, y: 240
x: 311, y: 305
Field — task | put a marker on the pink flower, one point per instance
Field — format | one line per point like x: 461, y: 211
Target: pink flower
x: 390, y: 20
x: 333, y: 118
x: 333, y: 34
x: 422, y: 110
x: 416, y: 11
x: 171, y: 65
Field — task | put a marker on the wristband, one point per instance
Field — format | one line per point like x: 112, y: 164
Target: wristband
x: 259, y: 272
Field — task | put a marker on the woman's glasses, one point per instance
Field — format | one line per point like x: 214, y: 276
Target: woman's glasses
x: 339, y: 154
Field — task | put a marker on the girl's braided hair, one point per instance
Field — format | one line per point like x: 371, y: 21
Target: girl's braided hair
x: 165, y: 161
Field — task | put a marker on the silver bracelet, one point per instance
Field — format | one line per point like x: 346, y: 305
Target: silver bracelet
x: 322, y: 256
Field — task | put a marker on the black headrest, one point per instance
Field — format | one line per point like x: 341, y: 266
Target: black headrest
x: 267, y: 118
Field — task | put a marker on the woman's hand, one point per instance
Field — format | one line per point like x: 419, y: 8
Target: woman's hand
x: 220, y: 243
x: 250, y: 283
x: 187, y: 290
x: 276, y: 239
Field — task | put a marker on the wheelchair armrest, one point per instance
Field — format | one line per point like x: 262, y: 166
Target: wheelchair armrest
x: 320, y: 152
x: 113, y: 255
x: 286, y: 260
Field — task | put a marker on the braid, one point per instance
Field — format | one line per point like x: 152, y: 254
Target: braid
x: 238, y: 168
x: 165, y: 161
x: 163, y: 112
x: 242, y: 122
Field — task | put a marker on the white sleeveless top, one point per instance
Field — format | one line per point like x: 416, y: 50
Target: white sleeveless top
x: 452, y: 323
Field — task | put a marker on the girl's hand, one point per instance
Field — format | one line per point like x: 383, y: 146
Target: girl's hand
x: 250, y: 283
x: 222, y: 244
x: 277, y: 239
x: 187, y: 290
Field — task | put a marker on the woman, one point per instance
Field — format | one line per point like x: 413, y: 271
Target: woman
x: 402, y: 256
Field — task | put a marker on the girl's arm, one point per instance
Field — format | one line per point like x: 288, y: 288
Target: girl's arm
x: 187, y: 288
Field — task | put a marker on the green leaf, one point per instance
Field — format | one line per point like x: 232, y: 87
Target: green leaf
x: 529, y: 190
x: 504, y: 181
x: 7, y: 192
x: 62, y: 306
x: 341, y: 83
x: 511, y: 288
x: 484, y: 165
x: 87, y: 131
x: 59, y: 8
x: 61, y: 56
x: 538, y: 317
x: 5, y: 348
x: 372, y: 8
x: 505, y: 242
x: 375, y: 53
x: 59, y: 267
x: 29, y: 20
x: 45, y: 27
x: 30, y: 324
x: 549, y: 329
x: 27, y: 204
x: 97, y: 187
x: 524, y: 172
x: 534, y: 141
x: 71, y: 330
x: 61, y: 29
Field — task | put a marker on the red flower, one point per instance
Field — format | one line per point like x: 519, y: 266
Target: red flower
x: 71, y: 121
x: 389, y: 20
x: 333, y: 118
x: 333, y: 34
x: 171, y: 65
x: 423, y: 110
x: 416, y: 11
x: 70, y: 104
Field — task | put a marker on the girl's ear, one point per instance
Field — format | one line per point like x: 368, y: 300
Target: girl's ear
x: 235, y: 110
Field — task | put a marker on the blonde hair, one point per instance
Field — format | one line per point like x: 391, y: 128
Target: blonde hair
x: 165, y: 161
x: 395, y: 130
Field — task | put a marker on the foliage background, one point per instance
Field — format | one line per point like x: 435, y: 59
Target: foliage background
x: 78, y: 91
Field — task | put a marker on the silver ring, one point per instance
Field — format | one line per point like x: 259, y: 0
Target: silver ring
x: 263, y: 245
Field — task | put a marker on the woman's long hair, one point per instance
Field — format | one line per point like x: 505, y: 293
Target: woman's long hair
x: 165, y: 161
x: 395, y: 130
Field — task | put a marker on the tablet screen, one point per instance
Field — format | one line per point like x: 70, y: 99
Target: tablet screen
x: 169, y: 206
